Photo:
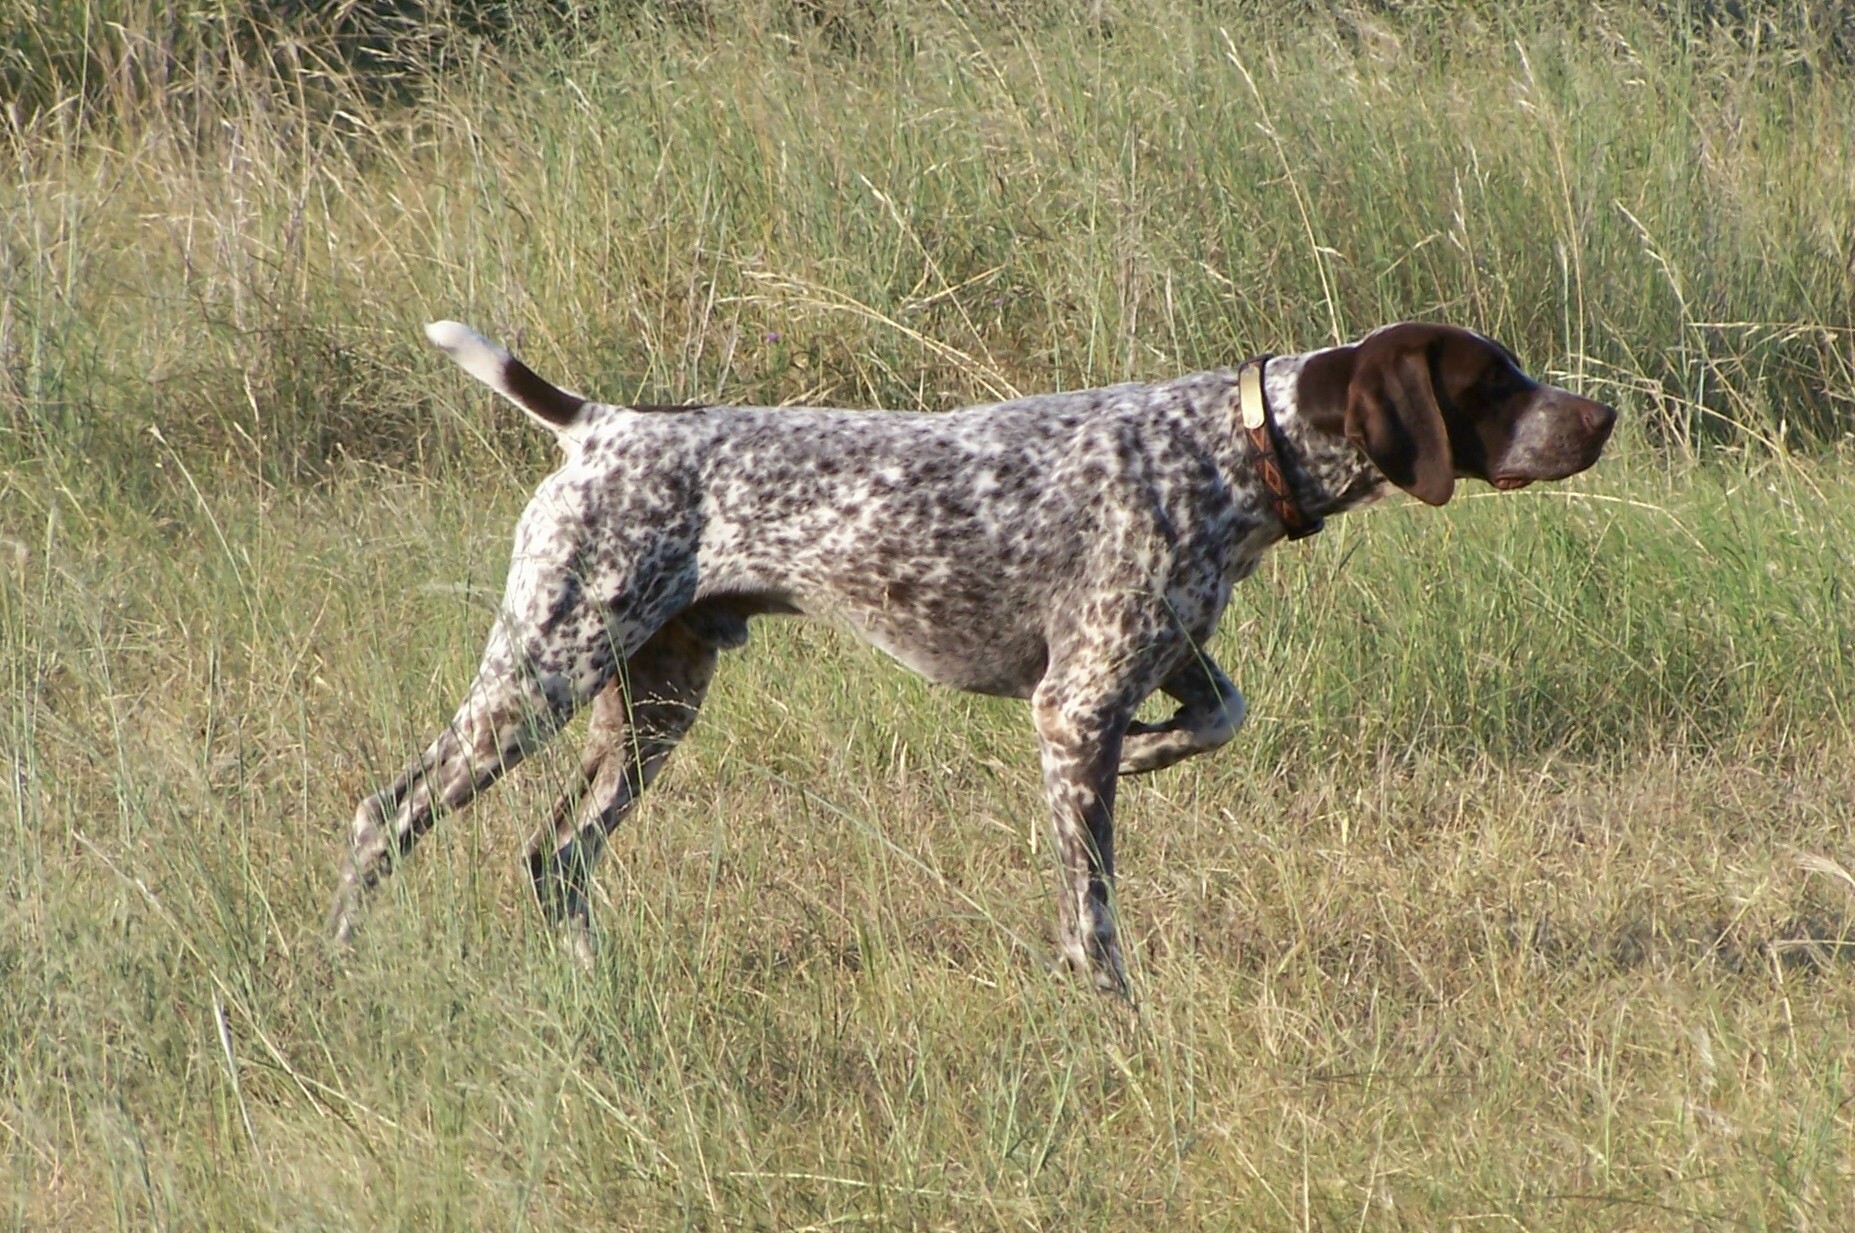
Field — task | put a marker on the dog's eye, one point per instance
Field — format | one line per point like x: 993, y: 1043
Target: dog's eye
x: 1500, y: 381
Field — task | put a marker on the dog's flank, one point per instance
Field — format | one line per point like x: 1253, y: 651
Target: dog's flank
x: 1074, y: 550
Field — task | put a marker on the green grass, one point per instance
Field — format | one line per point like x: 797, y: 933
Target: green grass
x: 1523, y: 900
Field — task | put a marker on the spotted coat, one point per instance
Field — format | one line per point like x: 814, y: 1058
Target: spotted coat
x: 1074, y: 550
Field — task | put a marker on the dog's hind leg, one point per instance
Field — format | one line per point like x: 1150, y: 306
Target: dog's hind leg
x: 636, y: 722
x: 512, y: 707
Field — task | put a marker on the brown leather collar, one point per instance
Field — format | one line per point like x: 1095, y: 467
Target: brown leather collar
x: 1259, y: 426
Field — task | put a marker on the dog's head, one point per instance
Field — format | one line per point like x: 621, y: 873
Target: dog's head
x: 1430, y: 404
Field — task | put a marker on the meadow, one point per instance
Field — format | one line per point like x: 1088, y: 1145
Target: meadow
x: 1525, y: 900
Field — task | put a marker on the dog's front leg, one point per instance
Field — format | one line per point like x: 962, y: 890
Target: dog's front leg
x: 1079, y: 737
x: 1211, y: 709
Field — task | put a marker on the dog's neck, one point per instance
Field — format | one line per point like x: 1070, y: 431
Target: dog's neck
x: 1307, y: 396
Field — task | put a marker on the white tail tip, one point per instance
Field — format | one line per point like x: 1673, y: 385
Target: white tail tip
x: 505, y: 374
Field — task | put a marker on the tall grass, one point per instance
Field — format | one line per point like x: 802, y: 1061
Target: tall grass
x: 1523, y: 899
x: 938, y: 209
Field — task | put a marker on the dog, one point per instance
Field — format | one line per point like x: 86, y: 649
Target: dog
x: 1074, y: 550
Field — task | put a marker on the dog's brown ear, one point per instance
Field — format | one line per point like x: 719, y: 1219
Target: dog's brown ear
x: 1392, y: 414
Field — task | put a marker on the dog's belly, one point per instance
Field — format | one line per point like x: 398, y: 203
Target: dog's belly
x: 980, y: 647
x: 1005, y: 662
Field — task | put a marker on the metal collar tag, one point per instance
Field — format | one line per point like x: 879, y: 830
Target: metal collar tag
x: 1249, y: 395
x: 1253, y: 410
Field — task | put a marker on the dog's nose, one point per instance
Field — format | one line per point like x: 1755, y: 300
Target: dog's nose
x: 1598, y: 418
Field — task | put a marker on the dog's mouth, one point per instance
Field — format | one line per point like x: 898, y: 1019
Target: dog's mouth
x: 1511, y: 483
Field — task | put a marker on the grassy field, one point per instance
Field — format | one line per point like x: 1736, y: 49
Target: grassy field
x: 1527, y: 899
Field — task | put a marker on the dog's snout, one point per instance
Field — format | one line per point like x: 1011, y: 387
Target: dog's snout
x: 1598, y: 418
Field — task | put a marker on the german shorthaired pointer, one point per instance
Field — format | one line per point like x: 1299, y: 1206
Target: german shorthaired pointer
x: 1074, y: 550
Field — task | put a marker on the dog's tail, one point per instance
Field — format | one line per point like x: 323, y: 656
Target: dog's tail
x: 555, y: 408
